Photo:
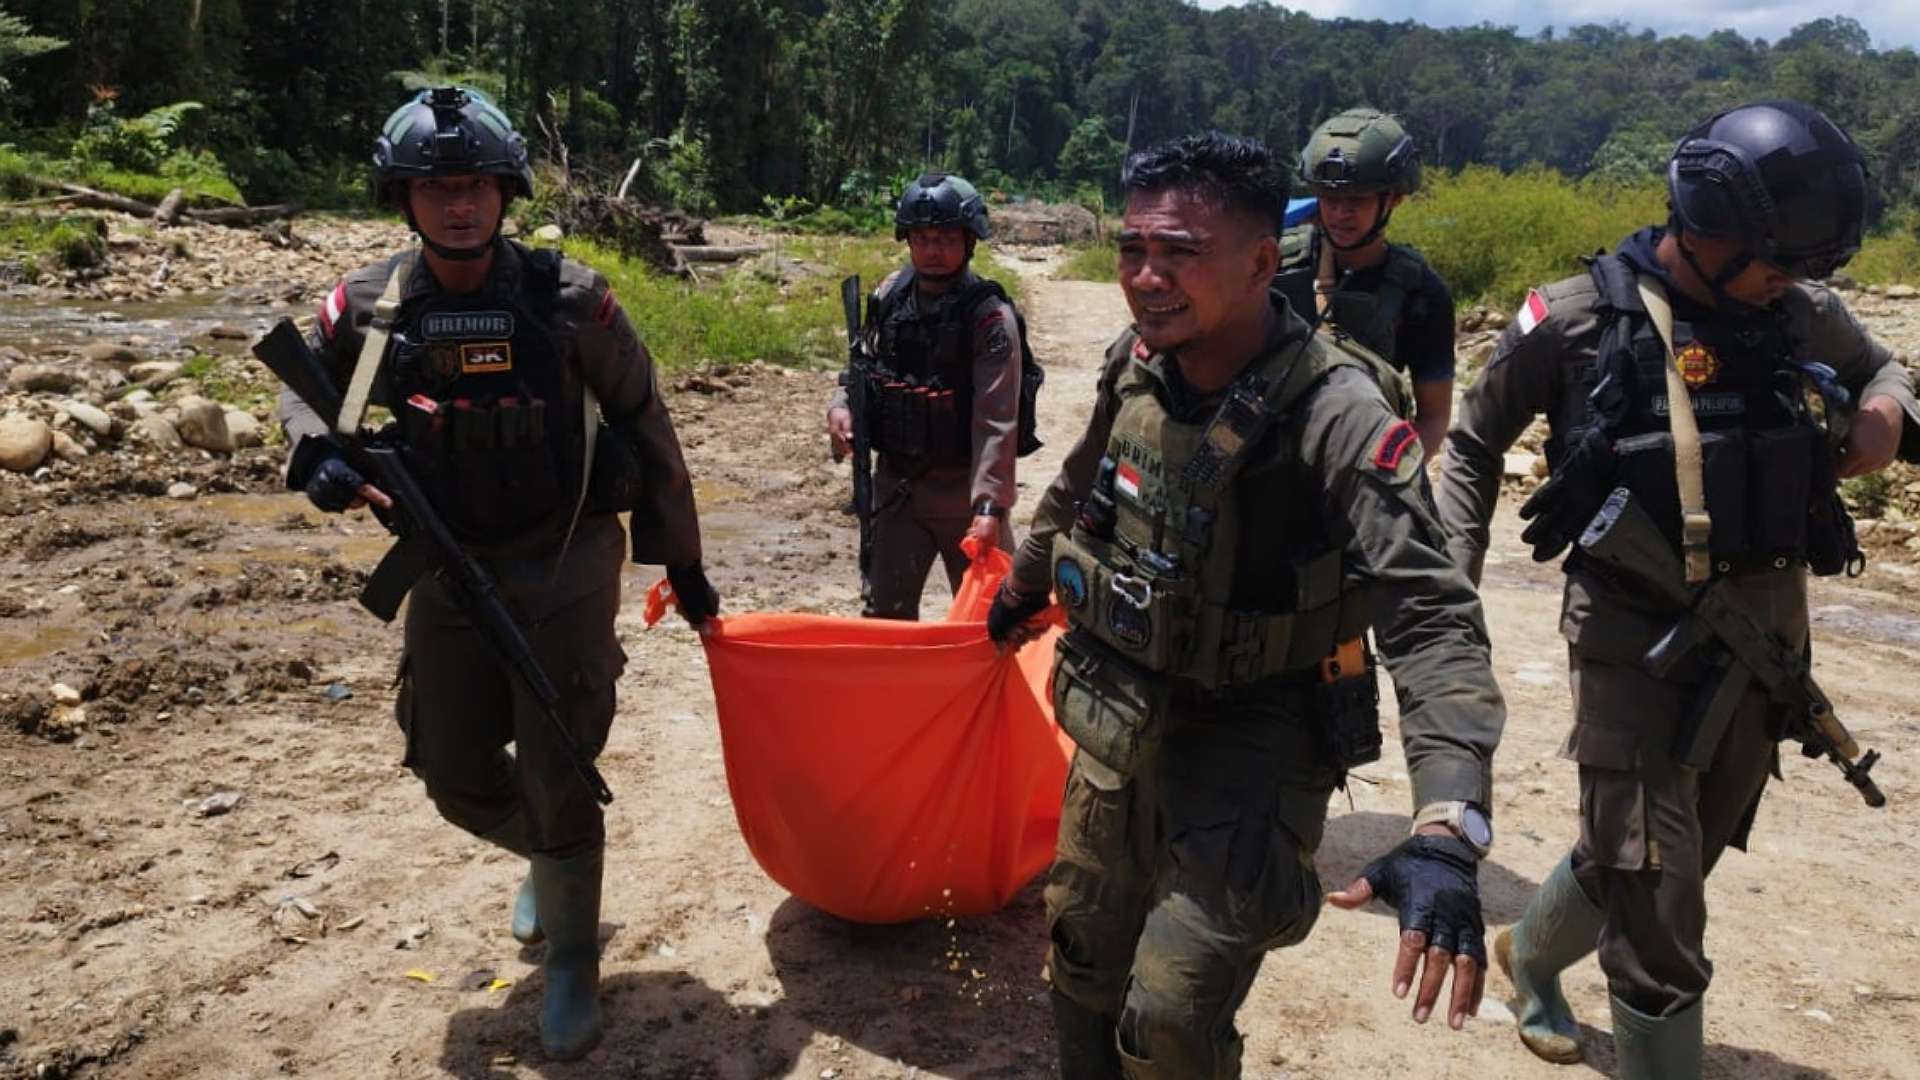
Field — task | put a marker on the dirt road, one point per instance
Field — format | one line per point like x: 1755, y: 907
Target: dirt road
x: 329, y: 925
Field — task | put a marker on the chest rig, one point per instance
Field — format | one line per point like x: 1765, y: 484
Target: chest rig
x: 1159, y: 565
x: 1768, y: 471
x: 491, y: 413
x: 1369, y: 316
x: 923, y: 386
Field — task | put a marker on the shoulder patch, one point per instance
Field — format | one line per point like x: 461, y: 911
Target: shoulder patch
x: 1140, y: 350
x: 609, y: 306
x: 1532, y: 313
x: 334, y: 306
x: 1398, y: 453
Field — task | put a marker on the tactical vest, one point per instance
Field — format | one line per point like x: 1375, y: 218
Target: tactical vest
x: 1371, y: 317
x: 492, y: 416
x: 1169, y: 575
x: 1771, y: 486
x: 924, y: 388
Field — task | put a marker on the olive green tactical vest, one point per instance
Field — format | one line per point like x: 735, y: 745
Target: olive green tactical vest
x: 1369, y: 317
x: 1161, y: 590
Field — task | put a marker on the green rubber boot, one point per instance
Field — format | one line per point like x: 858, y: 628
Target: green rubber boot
x: 1658, y: 1047
x: 1560, y: 926
x: 567, y: 892
x: 1086, y: 1039
x: 512, y: 836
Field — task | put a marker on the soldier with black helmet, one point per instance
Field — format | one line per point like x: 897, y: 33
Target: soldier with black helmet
x: 951, y: 396
x: 1677, y: 369
x: 1340, y: 270
x: 529, y: 411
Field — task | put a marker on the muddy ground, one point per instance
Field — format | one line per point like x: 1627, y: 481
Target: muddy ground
x: 325, y: 923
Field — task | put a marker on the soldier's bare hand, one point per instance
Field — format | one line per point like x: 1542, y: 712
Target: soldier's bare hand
x: 1873, y: 438
x: 840, y: 431
x: 986, y: 530
x: 371, y: 494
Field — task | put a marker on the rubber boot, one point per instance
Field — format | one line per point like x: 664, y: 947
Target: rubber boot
x: 1559, y: 927
x: 511, y: 836
x: 1657, y: 1047
x: 1086, y: 1038
x: 568, y: 894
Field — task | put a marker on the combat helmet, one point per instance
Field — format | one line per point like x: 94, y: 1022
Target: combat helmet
x: 1777, y: 177
x: 448, y: 131
x: 1360, y: 152
x: 940, y: 199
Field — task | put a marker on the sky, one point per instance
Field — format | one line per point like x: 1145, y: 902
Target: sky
x: 1889, y: 21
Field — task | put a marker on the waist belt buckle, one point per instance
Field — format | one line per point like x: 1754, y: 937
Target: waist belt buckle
x: 1136, y: 592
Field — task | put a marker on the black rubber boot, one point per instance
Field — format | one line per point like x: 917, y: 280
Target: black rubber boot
x: 1087, y: 1047
x: 568, y: 894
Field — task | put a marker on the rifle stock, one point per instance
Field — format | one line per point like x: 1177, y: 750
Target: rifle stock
x: 1623, y: 538
x: 860, y: 404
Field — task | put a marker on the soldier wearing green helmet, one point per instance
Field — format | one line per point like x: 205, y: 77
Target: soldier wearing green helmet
x: 951, y: 389
x: 1342, y: 271
x: 529, y: 411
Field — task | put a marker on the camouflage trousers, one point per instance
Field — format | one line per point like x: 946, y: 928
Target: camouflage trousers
x: 1170, y: 886
x: 460, y: 708
x: 919, y: 520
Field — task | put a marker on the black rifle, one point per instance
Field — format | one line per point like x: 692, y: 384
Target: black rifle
x: 423, y: 542
x: 1736, y: 649
x: 858, y: 379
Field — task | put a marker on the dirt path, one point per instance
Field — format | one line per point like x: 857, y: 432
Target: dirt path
x: 216, y: 642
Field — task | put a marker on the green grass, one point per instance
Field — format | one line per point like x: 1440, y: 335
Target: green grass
x: 1891, y: 254
x: 199, y: 176
x: 741, y: 316
x: 1094, y: 262
x: 70, y: 241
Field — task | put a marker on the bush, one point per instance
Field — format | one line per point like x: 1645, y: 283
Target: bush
x: 1493, y: 235
x: 71, y: 241
x: 1099, y: 262
x: 1891, y: 253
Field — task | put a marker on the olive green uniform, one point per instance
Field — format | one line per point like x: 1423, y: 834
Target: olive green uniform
x: 923, y: 509
x: 458, y: 705
x: 1175, y: 878
x: 1651, y: 830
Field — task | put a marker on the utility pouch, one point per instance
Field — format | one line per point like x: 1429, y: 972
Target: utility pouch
x: 1112, y: 709
x: 1346, y: 706
x: 1783, y: 472
x: 1734, y: 498
x: 952, y: 443
x: 1141, y: 616
x: 1832, y: 544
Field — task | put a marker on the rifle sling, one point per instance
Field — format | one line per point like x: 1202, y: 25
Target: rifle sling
x: 1689, y: 472
x: 373, y: 350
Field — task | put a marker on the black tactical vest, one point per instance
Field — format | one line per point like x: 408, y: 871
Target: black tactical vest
x: 491, y: 413
x: 1371, y: 317
x: 925, y: 390
x: 1771, y: 489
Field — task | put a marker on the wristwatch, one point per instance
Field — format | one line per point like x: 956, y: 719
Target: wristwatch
x: 1467, y: 821
x: 986, y: 508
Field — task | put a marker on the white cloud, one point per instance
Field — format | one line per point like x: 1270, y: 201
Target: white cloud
x: 1891, y: 24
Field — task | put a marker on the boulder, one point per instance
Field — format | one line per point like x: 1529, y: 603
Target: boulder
x: 158, y: 432
x: 106, y: 352
x: 24, y: 442
x: 1902, y: 292
x: 45, y: 379
x: 203, y: 424
x: 67, y: 448
x: 91, y: 417
x: 152, y: 369
x: 244, y: 428
x: 549, y: 234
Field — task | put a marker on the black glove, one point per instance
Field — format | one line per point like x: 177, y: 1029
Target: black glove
x: 698, y: 601
x: 1564, y: 506
x: 334, y: 485
x: 1435, y: 882
x: 1010, y: 610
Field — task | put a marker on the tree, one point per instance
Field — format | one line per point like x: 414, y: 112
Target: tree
x: 18, y: 42
x: 1091, y: 156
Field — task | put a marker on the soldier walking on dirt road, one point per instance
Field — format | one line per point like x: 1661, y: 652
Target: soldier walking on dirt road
x: 530, y: 411
x: 1677, y: 370
x: 1244, y: 504
x: 946, y: 410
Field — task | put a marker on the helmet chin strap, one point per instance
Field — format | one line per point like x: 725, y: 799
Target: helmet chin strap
x: 467, y: 254
x: 1379, y: 226
x: 1717, y: 283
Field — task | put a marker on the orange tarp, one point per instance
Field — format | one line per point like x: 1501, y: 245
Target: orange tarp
x: 885, y: 771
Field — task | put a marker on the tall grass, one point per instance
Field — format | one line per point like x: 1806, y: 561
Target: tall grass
x: 1891, y: 253
x: 1094, y: 262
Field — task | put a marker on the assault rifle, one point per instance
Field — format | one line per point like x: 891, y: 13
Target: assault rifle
x: 858, y: 379
x: 423, y: 542
x: 1738, y: 651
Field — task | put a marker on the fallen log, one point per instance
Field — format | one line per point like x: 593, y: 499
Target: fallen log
x: 167, y: 214
x: 719, y: 253
x: 245, y: 215
x: 95, y: 200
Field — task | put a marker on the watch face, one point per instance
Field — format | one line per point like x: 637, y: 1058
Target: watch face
x: 1475, y: 826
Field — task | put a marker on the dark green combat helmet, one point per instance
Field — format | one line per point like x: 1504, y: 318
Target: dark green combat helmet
x: 1360, y: 152
x: 940, y: 199
x: 448, y: 131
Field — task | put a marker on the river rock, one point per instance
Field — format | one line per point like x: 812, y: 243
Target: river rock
x: 158, y: 432
x: 152, y: 369
x: 229, y: 332
x: 1902, y: 292
x: 24, y: 442
x: 203, y: 424
x: 182, y: 491
x: 91, y: 417
x: 549, y: 234
x: 68, y: 448
x: 44, y: 379
x: 244, y: 428
x: 107, y: 352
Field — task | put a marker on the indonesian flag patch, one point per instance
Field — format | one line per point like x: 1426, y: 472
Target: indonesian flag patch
x: 1126, y: 480
x: 331, y: 309
x: 1532, y: 313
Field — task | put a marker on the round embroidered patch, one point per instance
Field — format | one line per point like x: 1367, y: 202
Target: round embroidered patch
x: 1697, y: 364
x: 1070, y: 584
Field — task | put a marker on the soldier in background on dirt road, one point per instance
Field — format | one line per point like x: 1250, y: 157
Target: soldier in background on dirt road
x: 503, y: 366
x: 1715, y: 311
x: 950, y: 400
x: 1244, y: 504
x: 1340, y: 270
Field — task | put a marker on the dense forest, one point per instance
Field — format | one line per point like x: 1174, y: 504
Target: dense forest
x: 739, y: 104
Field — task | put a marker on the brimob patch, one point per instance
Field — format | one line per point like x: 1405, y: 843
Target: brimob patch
x: 1697, y: 364
x: 486, y: 358
x: 466, y: 325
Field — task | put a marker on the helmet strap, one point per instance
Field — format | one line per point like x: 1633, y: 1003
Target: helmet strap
x: 1716, y: 283
x: 1379, y: 226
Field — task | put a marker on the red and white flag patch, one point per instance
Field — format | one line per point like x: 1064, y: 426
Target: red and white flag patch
x: 608, y: 305
x: 331, y: 309
x: 1126, y: 480
x: 1532, y: 313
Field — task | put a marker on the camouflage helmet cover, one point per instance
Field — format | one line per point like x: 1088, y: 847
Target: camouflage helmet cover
x: 940, y: 199
x: 1360, y: 152
x: 449, y: 131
